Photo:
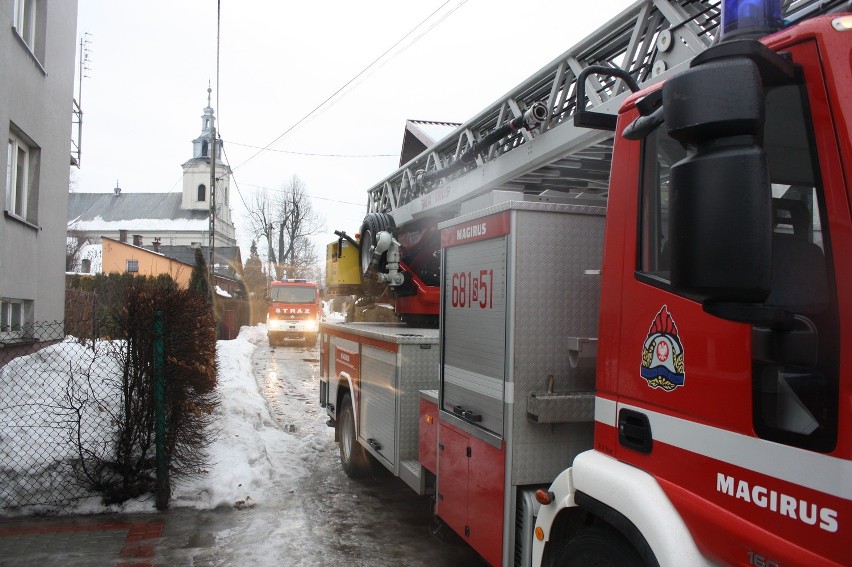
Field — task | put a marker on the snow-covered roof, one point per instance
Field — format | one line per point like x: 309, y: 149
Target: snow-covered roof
x: 152, y: 211
x: 99, y: 225
x: 429, y: 131
x: 421, y: 135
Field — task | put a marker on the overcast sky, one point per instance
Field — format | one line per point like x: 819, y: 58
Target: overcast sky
x: 150, y: 63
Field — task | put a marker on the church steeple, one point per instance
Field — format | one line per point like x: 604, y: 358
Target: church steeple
x: 201, y: 145
x: 196, y: 179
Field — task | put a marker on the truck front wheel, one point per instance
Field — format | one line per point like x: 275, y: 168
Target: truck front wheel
x: 598, y: 546
x: 353, y: 457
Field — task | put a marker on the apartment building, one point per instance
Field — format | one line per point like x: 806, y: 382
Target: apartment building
x: 37, y: 49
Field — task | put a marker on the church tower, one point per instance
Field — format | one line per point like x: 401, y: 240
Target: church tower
x: 196, y: 179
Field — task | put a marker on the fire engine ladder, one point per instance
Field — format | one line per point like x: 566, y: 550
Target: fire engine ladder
x: 651, y: 40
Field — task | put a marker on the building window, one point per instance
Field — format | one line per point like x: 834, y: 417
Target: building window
x: 133, y: 265
x: 30, y: 25
x: 202, y: 192
x: 85, y: 265
x: 12, y: 317
x: 20, y: 160
x: 204, y: 148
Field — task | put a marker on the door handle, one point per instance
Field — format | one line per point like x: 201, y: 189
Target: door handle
x: 634, y: 431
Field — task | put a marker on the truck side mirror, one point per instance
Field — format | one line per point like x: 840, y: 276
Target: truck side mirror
x: 721, y: 225
x: 721, y: 199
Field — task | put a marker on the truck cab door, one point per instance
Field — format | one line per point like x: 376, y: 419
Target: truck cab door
x: 723, y: 410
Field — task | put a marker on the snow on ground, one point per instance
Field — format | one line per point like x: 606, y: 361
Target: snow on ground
x: 240, y: 472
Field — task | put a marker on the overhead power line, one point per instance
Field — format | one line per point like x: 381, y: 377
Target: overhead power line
x: 358, y: 75
x: 312, y: 154
x: 310, y: 196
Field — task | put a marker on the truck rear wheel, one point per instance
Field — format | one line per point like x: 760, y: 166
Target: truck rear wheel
x: 598, y: 546
x: 353, y: 457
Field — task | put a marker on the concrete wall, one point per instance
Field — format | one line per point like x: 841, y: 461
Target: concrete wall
x: 36, y: 93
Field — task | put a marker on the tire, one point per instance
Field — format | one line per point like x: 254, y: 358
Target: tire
x: 373, y: 224
x: 311, y: 340
x: 598, y: 546
x: 353, y: 457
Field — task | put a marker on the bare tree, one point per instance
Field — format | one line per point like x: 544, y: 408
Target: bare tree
x: 73, y: 181
x: 299, y: 222
x: 75, y: 241
x: 260, y: 217
x: 287, y: 214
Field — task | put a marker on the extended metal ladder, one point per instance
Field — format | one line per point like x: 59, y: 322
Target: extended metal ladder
x: 652, y: 40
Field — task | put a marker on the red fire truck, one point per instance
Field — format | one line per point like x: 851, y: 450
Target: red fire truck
x: 640, y: 357
x: 294, y: 311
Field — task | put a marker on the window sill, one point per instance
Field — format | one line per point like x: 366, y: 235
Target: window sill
x: 13, y: 339
x: 23, y: 221
x: 29, y: 50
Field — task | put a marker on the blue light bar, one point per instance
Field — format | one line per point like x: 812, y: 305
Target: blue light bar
x: 750, y: 19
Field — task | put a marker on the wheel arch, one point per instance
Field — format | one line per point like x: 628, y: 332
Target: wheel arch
x: 588, y: 512
x: 344, y: 388
x: 629, y: 500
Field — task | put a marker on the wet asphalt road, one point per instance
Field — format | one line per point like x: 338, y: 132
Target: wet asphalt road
x: 376, y: 521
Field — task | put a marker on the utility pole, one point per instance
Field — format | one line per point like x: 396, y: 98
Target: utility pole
x: 212, y: 239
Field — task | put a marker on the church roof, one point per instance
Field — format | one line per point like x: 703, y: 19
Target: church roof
x: 91, y: 212
x: 206, y: 161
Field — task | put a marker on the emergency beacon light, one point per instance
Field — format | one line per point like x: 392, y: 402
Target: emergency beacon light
x: 750, y: 19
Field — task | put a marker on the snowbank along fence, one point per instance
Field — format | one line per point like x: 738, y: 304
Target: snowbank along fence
x: 54, y: 404
x: 62, y: 407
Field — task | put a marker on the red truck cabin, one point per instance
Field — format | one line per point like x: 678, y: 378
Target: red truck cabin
x: 294, y: 311
x: 744, y: 424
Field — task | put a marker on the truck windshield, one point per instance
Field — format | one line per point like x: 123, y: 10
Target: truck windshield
x: 293, y: 294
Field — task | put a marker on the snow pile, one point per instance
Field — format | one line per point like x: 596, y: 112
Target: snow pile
x: 240, y: 468
x: 249, y: 458
x: 38, y: 416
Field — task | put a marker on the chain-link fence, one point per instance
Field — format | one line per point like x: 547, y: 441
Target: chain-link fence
x: 58, y: 398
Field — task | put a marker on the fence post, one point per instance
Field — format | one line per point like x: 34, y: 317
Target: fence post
x: 160, y: 414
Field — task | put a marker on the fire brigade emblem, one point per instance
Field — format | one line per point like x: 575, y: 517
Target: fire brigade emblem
x: 662, y: 354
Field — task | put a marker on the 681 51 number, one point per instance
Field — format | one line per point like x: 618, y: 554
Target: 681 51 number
x: 473, y: 290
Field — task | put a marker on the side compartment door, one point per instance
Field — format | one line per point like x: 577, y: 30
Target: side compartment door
x: 453, y: 471
x: 474, y: 332
x: 377, y: 409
